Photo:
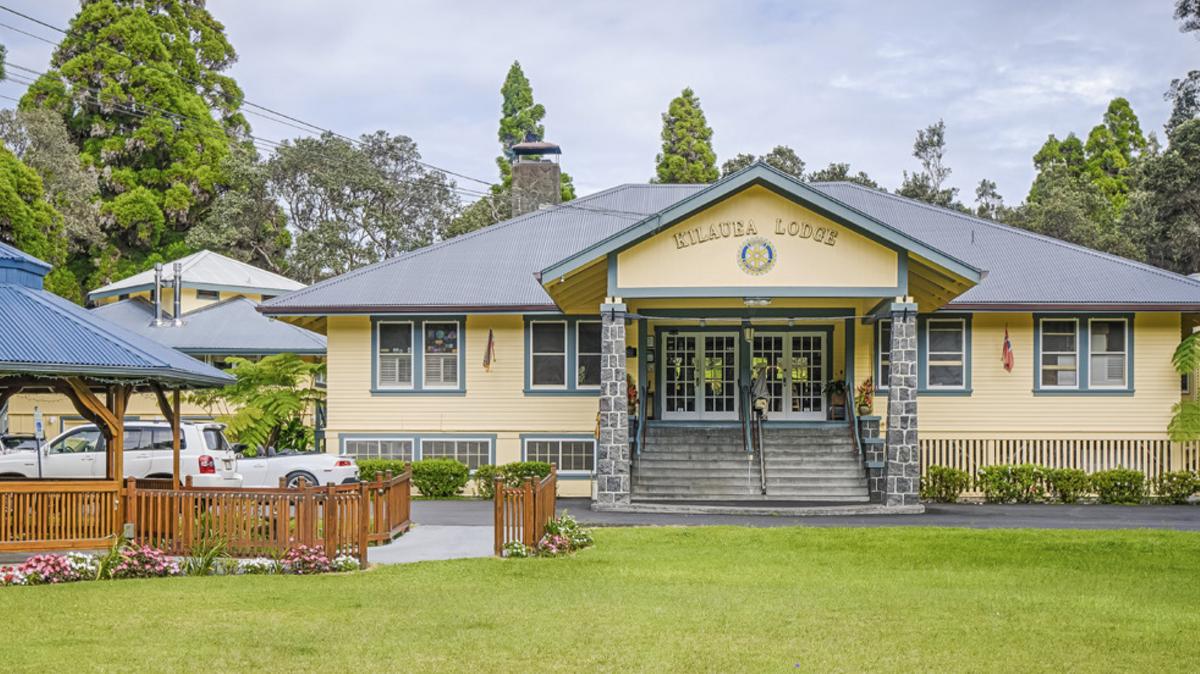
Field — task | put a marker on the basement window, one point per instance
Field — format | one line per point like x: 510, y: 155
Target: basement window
x: 568, y: 455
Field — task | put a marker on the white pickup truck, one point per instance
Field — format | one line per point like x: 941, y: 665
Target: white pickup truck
x: 81, y: 453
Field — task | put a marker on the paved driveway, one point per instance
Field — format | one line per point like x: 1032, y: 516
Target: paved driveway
x: 1183, y: 518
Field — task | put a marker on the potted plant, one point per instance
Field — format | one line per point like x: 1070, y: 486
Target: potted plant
x: 864, y: 397
x: 836, y: 392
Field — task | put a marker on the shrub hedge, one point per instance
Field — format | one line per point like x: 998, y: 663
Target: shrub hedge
x: 1005, y: 483
x: 440, y: 478
x: 1066, y: 485
x: 944, y: 485
x: 1119, y: 485
x: 1176, y: 487
x: 485, y: 480
x: 369, y: 468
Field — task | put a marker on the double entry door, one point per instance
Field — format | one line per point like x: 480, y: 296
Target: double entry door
x: 700, y: 375
x: 794, y: 366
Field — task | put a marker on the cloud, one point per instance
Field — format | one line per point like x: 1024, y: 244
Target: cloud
x: 838, y: 81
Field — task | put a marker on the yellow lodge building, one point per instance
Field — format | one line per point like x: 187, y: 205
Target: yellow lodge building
x: 759, y: 338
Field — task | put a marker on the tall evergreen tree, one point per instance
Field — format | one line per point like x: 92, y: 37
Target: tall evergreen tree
x: 927, y: 184
x: 1111, y: 149
x: 988, y: 202
x: 781, y: 157
x: 840, y: 172
x: 687, y: 155
x: 1164, y: 210
x: 30, y: 223
x: 1184, y: 93
x: 141, y: 88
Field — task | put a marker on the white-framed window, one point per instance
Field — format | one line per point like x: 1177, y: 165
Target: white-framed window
x: 441, y: 354
x: 1108, y: 353
x: 587, y: 354
x: 1059, y: 366
x: 214, y: 295
x: 394, y: 342
x: 883, y: 354
x: 548, y: 354
x: 569, y: 455
x: 472, y: 452
x: 945, y: 351
x: 379, y: 448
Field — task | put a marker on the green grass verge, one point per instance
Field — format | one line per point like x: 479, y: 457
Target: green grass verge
x: 694, y: 599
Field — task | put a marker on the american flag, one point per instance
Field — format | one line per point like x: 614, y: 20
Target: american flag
x: 489, y: 355
x: 1007, y: 355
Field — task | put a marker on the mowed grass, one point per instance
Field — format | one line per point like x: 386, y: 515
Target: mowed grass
x: 661, y: 599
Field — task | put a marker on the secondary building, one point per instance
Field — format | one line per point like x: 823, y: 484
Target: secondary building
x: 627, y: 336
x: 204, y: 305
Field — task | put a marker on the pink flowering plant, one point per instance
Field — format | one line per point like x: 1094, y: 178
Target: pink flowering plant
x: 306, y: 560
x: 143, y: 561
x: 12, y: 575
x: 563, y: 536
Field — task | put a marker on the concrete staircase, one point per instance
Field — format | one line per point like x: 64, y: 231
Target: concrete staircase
x: 703, y: 463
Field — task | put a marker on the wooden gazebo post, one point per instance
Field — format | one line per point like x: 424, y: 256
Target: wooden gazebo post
x: 108, y: 416
x: 170, y: 412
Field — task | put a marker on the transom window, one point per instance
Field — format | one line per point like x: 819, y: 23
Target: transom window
x: 395, y: 342
x: 884, y: 355
x: 577, y: 456
x: 945, y: 344
x: 587, y: 359
x: 1060, y: 353
x: 1108, y: 353
x: 548, y: 354
x: 400, y: 449
x: 441, y: 354
x: 473, y: 453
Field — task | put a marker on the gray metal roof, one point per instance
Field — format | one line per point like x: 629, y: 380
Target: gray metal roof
x: 230, y: 327
x: 207, y: 270
x: 48, y: 336
x: 493, y: 268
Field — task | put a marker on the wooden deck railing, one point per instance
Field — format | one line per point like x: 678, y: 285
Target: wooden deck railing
x: 522, y: 512
x: 50, y: 515
x: 341, y: 519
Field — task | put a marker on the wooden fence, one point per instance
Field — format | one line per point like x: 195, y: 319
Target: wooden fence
x: 1153, y: 457
x: 522, y: 512
x: 341, y: 519
x: 56, y: 515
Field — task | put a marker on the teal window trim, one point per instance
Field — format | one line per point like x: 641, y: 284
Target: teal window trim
x: 1083, y: 359
x: 418, y: 387
x: 923, y: 387
x: 568, y: 437
x: 881, y: 386
x: 343, y: 438
x: 418, y: 438
x: 571, y: 387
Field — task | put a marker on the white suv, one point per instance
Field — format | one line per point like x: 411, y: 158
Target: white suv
x: 80, y: 453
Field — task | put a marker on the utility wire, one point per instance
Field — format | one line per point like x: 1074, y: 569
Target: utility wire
x: 30, y: 18
x: 27, y: 33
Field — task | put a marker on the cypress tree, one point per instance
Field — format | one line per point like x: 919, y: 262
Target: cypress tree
x: 687, y: 155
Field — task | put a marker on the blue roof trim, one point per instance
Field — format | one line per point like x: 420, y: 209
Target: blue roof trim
x: 16, y: 258
x: 782, y: 184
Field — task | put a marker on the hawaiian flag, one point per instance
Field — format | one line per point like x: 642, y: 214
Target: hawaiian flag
x: 489, y: 354
x: 1007, y: 355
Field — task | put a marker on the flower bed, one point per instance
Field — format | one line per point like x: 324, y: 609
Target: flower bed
x: 563, y: 536
x: 129, y: 559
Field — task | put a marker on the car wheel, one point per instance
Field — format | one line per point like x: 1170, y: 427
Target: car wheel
x: 301, y: 478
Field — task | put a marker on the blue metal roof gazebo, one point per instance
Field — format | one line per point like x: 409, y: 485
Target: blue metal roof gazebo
x: 47, y: 342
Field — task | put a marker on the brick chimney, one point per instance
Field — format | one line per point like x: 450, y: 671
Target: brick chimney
x: 535, y: 176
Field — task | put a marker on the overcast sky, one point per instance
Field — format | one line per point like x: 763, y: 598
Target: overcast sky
x: 837, y: 81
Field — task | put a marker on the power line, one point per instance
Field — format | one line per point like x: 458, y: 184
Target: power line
x: 30, y: 18
x: 27, y: 33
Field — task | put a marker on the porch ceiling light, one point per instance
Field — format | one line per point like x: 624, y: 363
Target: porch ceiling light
x: 756, y: 301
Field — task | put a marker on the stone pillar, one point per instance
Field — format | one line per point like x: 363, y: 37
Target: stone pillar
x: 874, y: 456
x: 612, y: 448
x: 902, y: 481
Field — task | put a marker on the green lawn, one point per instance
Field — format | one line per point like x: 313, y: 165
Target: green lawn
x: 696, y: 599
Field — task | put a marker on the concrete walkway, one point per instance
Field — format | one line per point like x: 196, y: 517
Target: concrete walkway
x: 433, y: 541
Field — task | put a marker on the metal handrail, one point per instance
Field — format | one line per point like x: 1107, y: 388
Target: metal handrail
x: 640, y: 438
x: 762, y: 456
x: 744, y: 417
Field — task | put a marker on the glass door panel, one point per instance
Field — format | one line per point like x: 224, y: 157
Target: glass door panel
x: 679, y: 376
x: 806, y: 376
x: 720, y: 377
x: 768, y: 356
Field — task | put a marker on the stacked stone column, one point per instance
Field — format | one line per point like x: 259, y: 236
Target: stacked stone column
x: 902, y: 471
x: 612, y: 448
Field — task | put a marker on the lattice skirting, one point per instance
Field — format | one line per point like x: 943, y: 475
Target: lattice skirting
x: 1151, y: 456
